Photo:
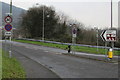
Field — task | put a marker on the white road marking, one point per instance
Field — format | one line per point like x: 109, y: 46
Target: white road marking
x: 58, y: 53
x: 46, y: 51
x: 115, y: 63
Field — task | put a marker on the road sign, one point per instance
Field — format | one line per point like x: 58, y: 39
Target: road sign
x: 8, y: 19
x: 74, y: 35
x: 8, y: 27
x: 109, y: 35
x: 8, y: 33
x: 74, y: 32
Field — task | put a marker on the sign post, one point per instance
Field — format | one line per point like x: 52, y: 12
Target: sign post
x: 8, y: 30
x: 109, y: 36
x: 8, y: 27
x: 74, y: 35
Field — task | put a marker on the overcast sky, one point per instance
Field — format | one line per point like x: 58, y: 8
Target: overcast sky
x: 89, y: 12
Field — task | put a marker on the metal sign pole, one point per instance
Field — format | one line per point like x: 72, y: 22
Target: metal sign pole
x: 113, y: 46
x: 72, y: 45
x: 10, y: 7
x: 97, y: 40
x: 10, y: 53
x: 5, y: 46
x: 74, y: 32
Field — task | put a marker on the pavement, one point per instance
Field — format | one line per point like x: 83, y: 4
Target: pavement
x: 39, y: 59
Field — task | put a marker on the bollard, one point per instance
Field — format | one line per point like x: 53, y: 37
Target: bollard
x: 69, y: 48
x: 110, y: 54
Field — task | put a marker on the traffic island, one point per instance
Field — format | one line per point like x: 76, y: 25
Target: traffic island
x: 94, y: 57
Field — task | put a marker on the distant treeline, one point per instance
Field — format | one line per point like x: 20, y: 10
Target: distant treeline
x: 57, y: 27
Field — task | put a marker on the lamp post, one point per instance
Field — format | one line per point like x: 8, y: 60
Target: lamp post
x: 43, y: 32
x: 43, y: 21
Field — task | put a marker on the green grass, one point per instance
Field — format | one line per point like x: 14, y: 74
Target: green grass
x: 0, y: 64
x: 11, y: 68
x: 76, y: 48
x: 94, y: 50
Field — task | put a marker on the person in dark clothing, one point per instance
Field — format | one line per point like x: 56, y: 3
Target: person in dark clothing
x: 69, y: 48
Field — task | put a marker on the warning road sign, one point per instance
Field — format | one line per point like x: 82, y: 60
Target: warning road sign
x: 109, y: 35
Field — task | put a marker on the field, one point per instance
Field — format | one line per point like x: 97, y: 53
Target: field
x: 76, y: 48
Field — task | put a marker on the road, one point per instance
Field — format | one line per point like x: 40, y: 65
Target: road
x: 53, y: 64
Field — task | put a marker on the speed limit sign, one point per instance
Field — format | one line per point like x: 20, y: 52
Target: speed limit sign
x: 8, y: 19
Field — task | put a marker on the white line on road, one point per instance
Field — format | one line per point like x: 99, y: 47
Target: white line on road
x: 46, y: 51
x: 58, y: 53
x: 115, y: 63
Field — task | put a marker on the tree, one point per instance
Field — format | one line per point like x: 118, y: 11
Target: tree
x: 57, y: 27
x: 33, y: 21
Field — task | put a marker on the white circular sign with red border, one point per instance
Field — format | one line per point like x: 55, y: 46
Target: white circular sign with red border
x: 8, y: 19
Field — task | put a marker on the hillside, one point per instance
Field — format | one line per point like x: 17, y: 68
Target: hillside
x: 119, y: 21
x: 16, y: 11
x: 0, y: 26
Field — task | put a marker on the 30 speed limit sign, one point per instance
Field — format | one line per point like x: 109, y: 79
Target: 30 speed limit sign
x: 8, y: 19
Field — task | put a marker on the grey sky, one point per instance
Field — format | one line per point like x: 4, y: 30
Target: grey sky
x: 95, y: 12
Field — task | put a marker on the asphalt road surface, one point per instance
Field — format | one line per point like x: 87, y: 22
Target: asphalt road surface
x: 45, y: 62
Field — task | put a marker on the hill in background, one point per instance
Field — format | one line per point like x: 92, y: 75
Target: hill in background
x: 16, y: 11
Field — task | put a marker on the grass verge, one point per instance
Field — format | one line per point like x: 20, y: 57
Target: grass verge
x: 11, y: 68
x: 76, y: 48
x: 0, y: 64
